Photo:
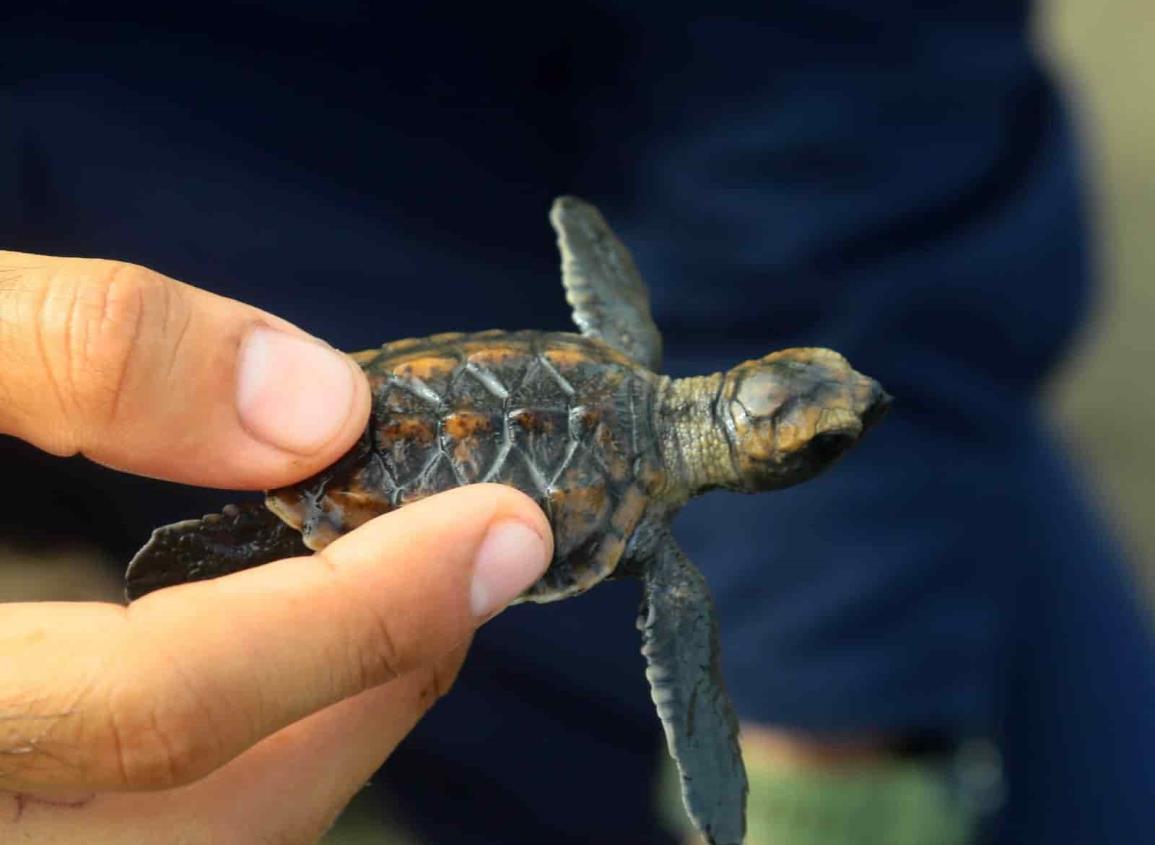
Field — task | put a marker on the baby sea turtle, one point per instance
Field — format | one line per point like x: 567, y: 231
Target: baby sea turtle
x: 607, y: 447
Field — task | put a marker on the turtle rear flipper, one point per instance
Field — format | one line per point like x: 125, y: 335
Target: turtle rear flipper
x: 602, y: 284
x: 680, y: 644
x: 240, y: 537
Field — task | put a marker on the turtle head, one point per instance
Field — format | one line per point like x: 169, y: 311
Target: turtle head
x: 793, y: 413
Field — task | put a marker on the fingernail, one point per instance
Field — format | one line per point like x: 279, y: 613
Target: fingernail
x: 292, y: 392
x: 511, y: 557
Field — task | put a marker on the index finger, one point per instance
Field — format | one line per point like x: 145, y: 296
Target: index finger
x: 160, y: 693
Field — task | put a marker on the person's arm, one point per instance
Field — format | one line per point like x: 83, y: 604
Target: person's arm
x: 252, y: 707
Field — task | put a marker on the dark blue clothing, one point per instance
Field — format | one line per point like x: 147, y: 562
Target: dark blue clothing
x: 899, y: 185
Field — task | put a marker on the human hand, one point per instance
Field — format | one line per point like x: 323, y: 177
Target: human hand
x: 253, y: 707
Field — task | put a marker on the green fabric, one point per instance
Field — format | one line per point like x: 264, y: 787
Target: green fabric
x: 895, y: 802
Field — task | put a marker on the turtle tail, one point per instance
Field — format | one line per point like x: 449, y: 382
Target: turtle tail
x: 240, y: 537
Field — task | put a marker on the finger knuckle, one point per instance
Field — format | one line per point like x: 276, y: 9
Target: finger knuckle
x: 377, y: 654
x: 98, y: 318
x: 439, y: 681
x: 378, y: 657
x: 157, y: 739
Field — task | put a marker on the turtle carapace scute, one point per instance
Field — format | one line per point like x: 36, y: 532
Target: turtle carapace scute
x: 610, y: 450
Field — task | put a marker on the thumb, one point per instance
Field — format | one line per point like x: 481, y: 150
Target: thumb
x: 145, y: 374
x: 189, y: 677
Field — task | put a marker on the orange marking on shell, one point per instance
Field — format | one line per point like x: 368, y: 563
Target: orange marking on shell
x: 356, y: 508
x: 401, y: 345
x: 445, y: 337
x: 466, y: 427
x: 426, y: 368
x: 488, y: 355
x: 419, y: 430
x: 587, y: 418
x: 462, y: 424
x: 629, y: 511
x: 531, y: 420
x: 577, y: 512
x: 615, y: 458
x: 567, y: 357
x: 624, y: 521
x: 464, y: 455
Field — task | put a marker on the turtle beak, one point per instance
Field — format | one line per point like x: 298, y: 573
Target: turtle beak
x: 877, y: 406
x: 838, y: 431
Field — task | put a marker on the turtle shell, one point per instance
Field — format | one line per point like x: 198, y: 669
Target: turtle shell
x: 564, y: 418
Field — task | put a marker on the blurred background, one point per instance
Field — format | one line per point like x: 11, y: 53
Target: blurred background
x: 1101, y: 400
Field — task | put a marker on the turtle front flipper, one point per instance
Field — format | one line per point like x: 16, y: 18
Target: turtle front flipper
x: 680, y: 644
x: 609, y: 298
x: 240, y: 537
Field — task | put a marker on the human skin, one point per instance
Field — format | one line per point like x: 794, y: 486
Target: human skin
x: 250, y: 708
